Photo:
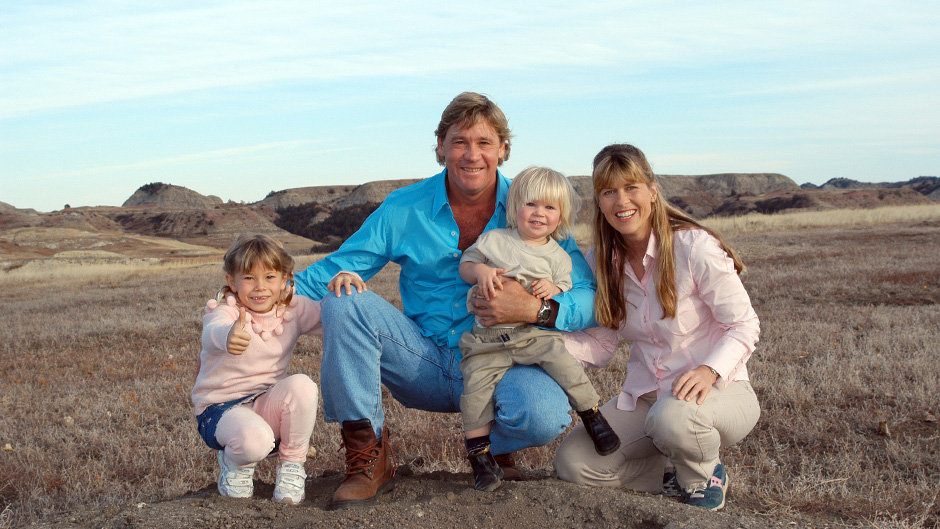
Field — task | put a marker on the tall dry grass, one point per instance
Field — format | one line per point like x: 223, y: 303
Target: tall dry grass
x: 97, y: 368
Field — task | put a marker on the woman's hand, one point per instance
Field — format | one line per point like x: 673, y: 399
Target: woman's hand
x: 346, y: 281
x: 694, y: 384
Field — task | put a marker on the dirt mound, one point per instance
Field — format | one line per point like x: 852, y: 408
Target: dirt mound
x: 170, y: 196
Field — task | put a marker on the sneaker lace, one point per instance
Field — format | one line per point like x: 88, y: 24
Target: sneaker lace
x: 697, y: 492
x: 671, y: 485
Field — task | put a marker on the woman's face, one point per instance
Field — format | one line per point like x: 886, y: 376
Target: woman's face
x: 627, y: 208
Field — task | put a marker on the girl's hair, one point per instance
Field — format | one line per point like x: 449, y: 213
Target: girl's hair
x: 620, y: 164
x: 542, y: 183
x: 250, y: 250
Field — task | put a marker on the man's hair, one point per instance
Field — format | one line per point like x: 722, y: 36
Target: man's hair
x: 542, y: 183
x: 465, y: 111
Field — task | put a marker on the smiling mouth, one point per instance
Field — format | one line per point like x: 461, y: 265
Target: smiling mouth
x: 625, y: 215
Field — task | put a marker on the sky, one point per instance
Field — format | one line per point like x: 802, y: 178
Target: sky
x: 239, y: 99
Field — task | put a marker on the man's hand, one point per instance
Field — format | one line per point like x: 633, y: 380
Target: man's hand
x: 694, y: 384
x: 346, y: 281
x: 238, y: 337
x: 512, y: 304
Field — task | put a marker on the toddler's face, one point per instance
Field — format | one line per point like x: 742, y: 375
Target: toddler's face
x: 259, y: 288
x: 536, y: 221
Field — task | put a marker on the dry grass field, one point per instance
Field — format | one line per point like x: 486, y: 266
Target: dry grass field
x: 97, y: 363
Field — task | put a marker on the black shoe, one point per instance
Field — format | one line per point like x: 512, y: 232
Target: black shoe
x: 486, y: 473
x: 605, y: 439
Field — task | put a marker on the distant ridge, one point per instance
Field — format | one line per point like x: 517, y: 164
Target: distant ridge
x: 925, y: 185
x: 317, y: 219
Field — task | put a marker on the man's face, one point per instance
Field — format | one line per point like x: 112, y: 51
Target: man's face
x: 471, y: 156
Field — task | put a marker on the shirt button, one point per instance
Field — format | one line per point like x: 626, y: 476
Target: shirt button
x: 456, y: 254
x: 452, y: 331
x: 453, y: 234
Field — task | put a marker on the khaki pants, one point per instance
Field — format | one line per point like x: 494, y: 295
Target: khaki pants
x: 685, y: 433
x: 489, y: 352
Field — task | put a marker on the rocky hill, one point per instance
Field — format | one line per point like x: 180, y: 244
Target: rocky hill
x: 333, y: 196
x: 170, y: 196
x: 170, y: 221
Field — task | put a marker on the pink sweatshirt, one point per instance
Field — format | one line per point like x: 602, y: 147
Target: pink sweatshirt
x: 223, y: 376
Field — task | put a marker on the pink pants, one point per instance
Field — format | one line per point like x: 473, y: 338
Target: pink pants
x: 287, y: 411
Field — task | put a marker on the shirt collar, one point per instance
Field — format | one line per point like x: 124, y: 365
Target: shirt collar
x: 440, y: 192
x: 652, y: 250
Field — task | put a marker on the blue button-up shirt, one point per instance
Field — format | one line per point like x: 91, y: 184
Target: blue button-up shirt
x: 415, y: 228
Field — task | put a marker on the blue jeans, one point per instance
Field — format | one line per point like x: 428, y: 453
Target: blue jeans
x: 368, y: 342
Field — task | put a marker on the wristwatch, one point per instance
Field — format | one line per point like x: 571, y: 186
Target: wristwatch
x: 545, y: 313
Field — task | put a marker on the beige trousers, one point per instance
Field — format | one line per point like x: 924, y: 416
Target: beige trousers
x: 489, y: 352
x: 668, y: 429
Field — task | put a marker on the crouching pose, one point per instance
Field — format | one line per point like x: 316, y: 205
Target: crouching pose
x: 670, y: 287
x: 414, y: 350
x: 245, y: 403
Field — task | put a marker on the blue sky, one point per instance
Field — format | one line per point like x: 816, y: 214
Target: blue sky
x: 238, y: 99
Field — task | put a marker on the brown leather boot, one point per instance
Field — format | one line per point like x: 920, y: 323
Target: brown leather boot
x: 370, y: 466
x: 507, y: 462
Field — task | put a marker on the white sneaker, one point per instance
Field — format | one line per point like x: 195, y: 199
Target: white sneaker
x: 235, y: 482
x: 289, y: 485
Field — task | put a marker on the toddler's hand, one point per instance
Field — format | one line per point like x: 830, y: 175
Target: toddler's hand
x: 346, y: 281
x: 544, y: 289
x: 489, y: 281
x: 238, y: 337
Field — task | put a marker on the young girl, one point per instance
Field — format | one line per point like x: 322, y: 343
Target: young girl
x: 540, y: 207
x: 245, y: 404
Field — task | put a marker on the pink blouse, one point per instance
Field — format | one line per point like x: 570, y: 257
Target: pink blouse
x: 715, y: 324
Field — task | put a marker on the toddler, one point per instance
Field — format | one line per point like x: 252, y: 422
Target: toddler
x: 541, y: 205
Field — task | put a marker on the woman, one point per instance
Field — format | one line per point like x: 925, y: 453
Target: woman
x: 671, y: 287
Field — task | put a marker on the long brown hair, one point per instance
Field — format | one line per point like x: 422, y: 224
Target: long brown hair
x: 615, y: 165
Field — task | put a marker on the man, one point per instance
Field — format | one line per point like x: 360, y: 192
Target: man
x: 367, y: 342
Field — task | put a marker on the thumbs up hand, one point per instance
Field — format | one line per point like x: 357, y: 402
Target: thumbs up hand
x: 238, y: 337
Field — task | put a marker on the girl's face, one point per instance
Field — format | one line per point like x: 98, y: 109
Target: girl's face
x: 627, y: 208
x: 536, y: 220
x: 258, y: 289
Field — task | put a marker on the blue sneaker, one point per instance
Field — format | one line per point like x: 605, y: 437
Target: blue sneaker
x: 712, y: 495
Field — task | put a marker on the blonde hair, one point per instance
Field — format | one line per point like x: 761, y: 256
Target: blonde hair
x: 249, y: 251
x: 542, y: 183
x: 621, y: 164
x: 465, y: 111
